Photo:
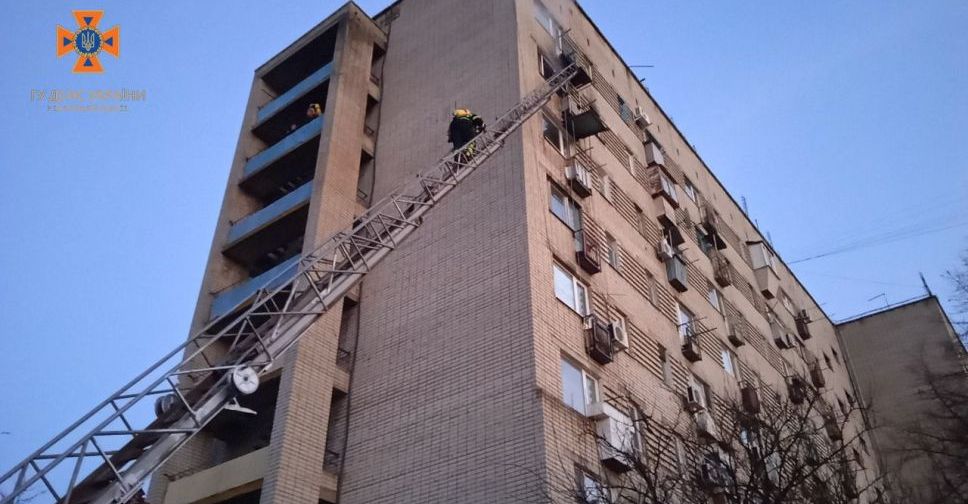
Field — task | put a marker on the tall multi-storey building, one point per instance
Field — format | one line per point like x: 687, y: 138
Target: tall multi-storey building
x: 907, y: 360
x: 463, y: 369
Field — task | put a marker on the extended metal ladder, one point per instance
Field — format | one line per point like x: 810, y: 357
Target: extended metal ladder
x: 187, y: 390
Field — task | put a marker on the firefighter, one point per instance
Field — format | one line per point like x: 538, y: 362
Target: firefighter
x: 312, y: 112
x: 464, y: 126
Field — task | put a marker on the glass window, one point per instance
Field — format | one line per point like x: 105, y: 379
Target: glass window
x: 552, y: 133
x: 668, y: 186
x: 705, y: 241
x: 614, y: 254
x: 543, y: 16
x: 729, y: 360
x: 686, y: 319
x: 787, y: 302
x: 666, y: 367
x: 714, y: 298
x: 545, y: 68
x: 570, y: 290
x: 578, y: 388
x: 572, y: 386
x: 689, y: 189
x: 565, y: 208
x: 624, y: 111
x: 607, y: 187
x: 631, y: 162
x: 762, y: 256
x: 593, y: 492
x: 702, y: 389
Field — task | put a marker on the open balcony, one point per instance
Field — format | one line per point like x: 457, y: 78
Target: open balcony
x: 272, y: 216
x: 294, y: 153
x: 291, y: 106
x: 239, y: 293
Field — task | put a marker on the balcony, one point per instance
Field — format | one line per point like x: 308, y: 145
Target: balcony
x: 768, y: 281
x: 274, y: 212
x: 722, y: 270
x: 676, y: 270
x: 236, y: 295
x: 274, y: 119
x: 588, y: 252
x: 690, y: 345
x: 283, y: 148
x: 816, y: 375
x: 797, y: 389
x: 598, y: 340
x: 803, y: 327
x: 584, y: 123
x: 616, y: 433
x: 750, y: 398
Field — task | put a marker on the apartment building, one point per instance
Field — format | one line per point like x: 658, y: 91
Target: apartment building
x: 900, y: 355
x: 594, y: 257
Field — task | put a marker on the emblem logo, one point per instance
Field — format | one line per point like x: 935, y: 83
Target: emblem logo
x: 88, y: 41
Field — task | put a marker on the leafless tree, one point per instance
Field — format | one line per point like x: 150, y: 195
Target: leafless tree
x: 959, y: 281
x: 744, y: 451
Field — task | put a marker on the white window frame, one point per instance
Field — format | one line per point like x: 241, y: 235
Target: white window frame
x: 573, y: 218
x: 544, y: 18
x: 728, y: 360
x: 715, y: 297
x: 668, y: 186
x: 607, y: 187
x: 590, y: 483
x: 666, y: 365
x: 578, y: 302
x: 689, y: 189
x: 787, y: 303
x: 545, y: 123
x: 614, y: 255
x: 686, y: 320
x: 588, y: 396
x: 631, y: 161
x: 761, y: 256
x: 702, y: 388
x: 545, y: 66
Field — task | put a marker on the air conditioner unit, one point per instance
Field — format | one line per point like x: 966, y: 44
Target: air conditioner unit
x: 616, y: 446
x: 619, y: 337
x: 665, y: 250
x: 641, y: 118
x: 580, y: 179
x: 693, y: 399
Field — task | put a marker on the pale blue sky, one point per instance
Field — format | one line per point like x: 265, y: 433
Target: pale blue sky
x: 840, y: 122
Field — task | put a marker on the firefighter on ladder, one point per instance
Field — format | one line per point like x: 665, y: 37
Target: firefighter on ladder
x: 464, y: 126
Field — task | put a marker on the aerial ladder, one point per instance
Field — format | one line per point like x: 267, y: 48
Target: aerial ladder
x: 187, y: 388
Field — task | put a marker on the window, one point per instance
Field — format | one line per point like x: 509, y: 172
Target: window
x: 843, y: 407
x: 607, y: 187
x: 565, y: 208
x: 689, y: 189
x: 545, y: 68
x: 836, y: 355
x: 850, y: 399
x: 592, y: 490
x: 650, y: 282
x: 680, y: 454
x: 543, y: 16
x: 729, y: 362
x: 762, y: 256
x: 702, y: 389
x: 666, y: 367
x: 639, y: 220
x: 668, y: 186
x: 704, y: 240
x: 826, y: 359
x: 714, y: 297
x: 686, y: 319
x: 614, y: 252
x: 552, y: 133
x: 578, y: 388
x: 787, y: 302
x: 571, y: 291
x: 623, y: 110
x: 631, y: 162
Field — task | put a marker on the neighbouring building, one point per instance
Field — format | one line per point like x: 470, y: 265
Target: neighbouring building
x: 899, y: 356
x: 461, y: 370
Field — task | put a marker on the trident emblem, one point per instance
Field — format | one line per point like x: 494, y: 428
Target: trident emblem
x: 88, y: 42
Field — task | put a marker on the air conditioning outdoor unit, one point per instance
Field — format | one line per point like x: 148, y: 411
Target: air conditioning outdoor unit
x: 619, y: 337
x: 641, y: 118
x: 707, y: 426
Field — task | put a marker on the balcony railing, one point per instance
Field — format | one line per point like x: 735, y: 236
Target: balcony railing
x: 288, y: 144
x: 282, y: 101
x: 262, y: 218
x: 229, y: 298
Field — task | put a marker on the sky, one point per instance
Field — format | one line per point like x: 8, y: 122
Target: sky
x: 840, y: 123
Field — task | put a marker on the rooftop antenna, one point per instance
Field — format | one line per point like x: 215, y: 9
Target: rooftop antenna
x: 925, y: 283
x: 769, y: 238
x: 746, y: 208
x: 883, y: 295
x: 642, y: 66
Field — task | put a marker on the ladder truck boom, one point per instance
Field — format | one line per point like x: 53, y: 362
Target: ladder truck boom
x: 188, y: 387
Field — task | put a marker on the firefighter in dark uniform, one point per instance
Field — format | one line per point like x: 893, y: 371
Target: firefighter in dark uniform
x: 464, y: 126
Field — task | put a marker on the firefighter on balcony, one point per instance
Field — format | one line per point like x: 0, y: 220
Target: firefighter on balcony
x: 464, y: 126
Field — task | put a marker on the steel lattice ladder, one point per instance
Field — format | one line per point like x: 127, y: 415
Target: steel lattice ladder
x: 187, y: 389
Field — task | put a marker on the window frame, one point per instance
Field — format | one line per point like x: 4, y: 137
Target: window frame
x: 712, y: 291
x: 545, y: 20
x: 685, y: 327
x: 690, y: 189
x: 549, y: 122
x: 613, y: 249
x: 665, y: 365
x: 728, y: 361
x: 545, y: 68
x: 574, y: 218
x: 576, y: 285
x: 704, y: 398
x: 586, y: 379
